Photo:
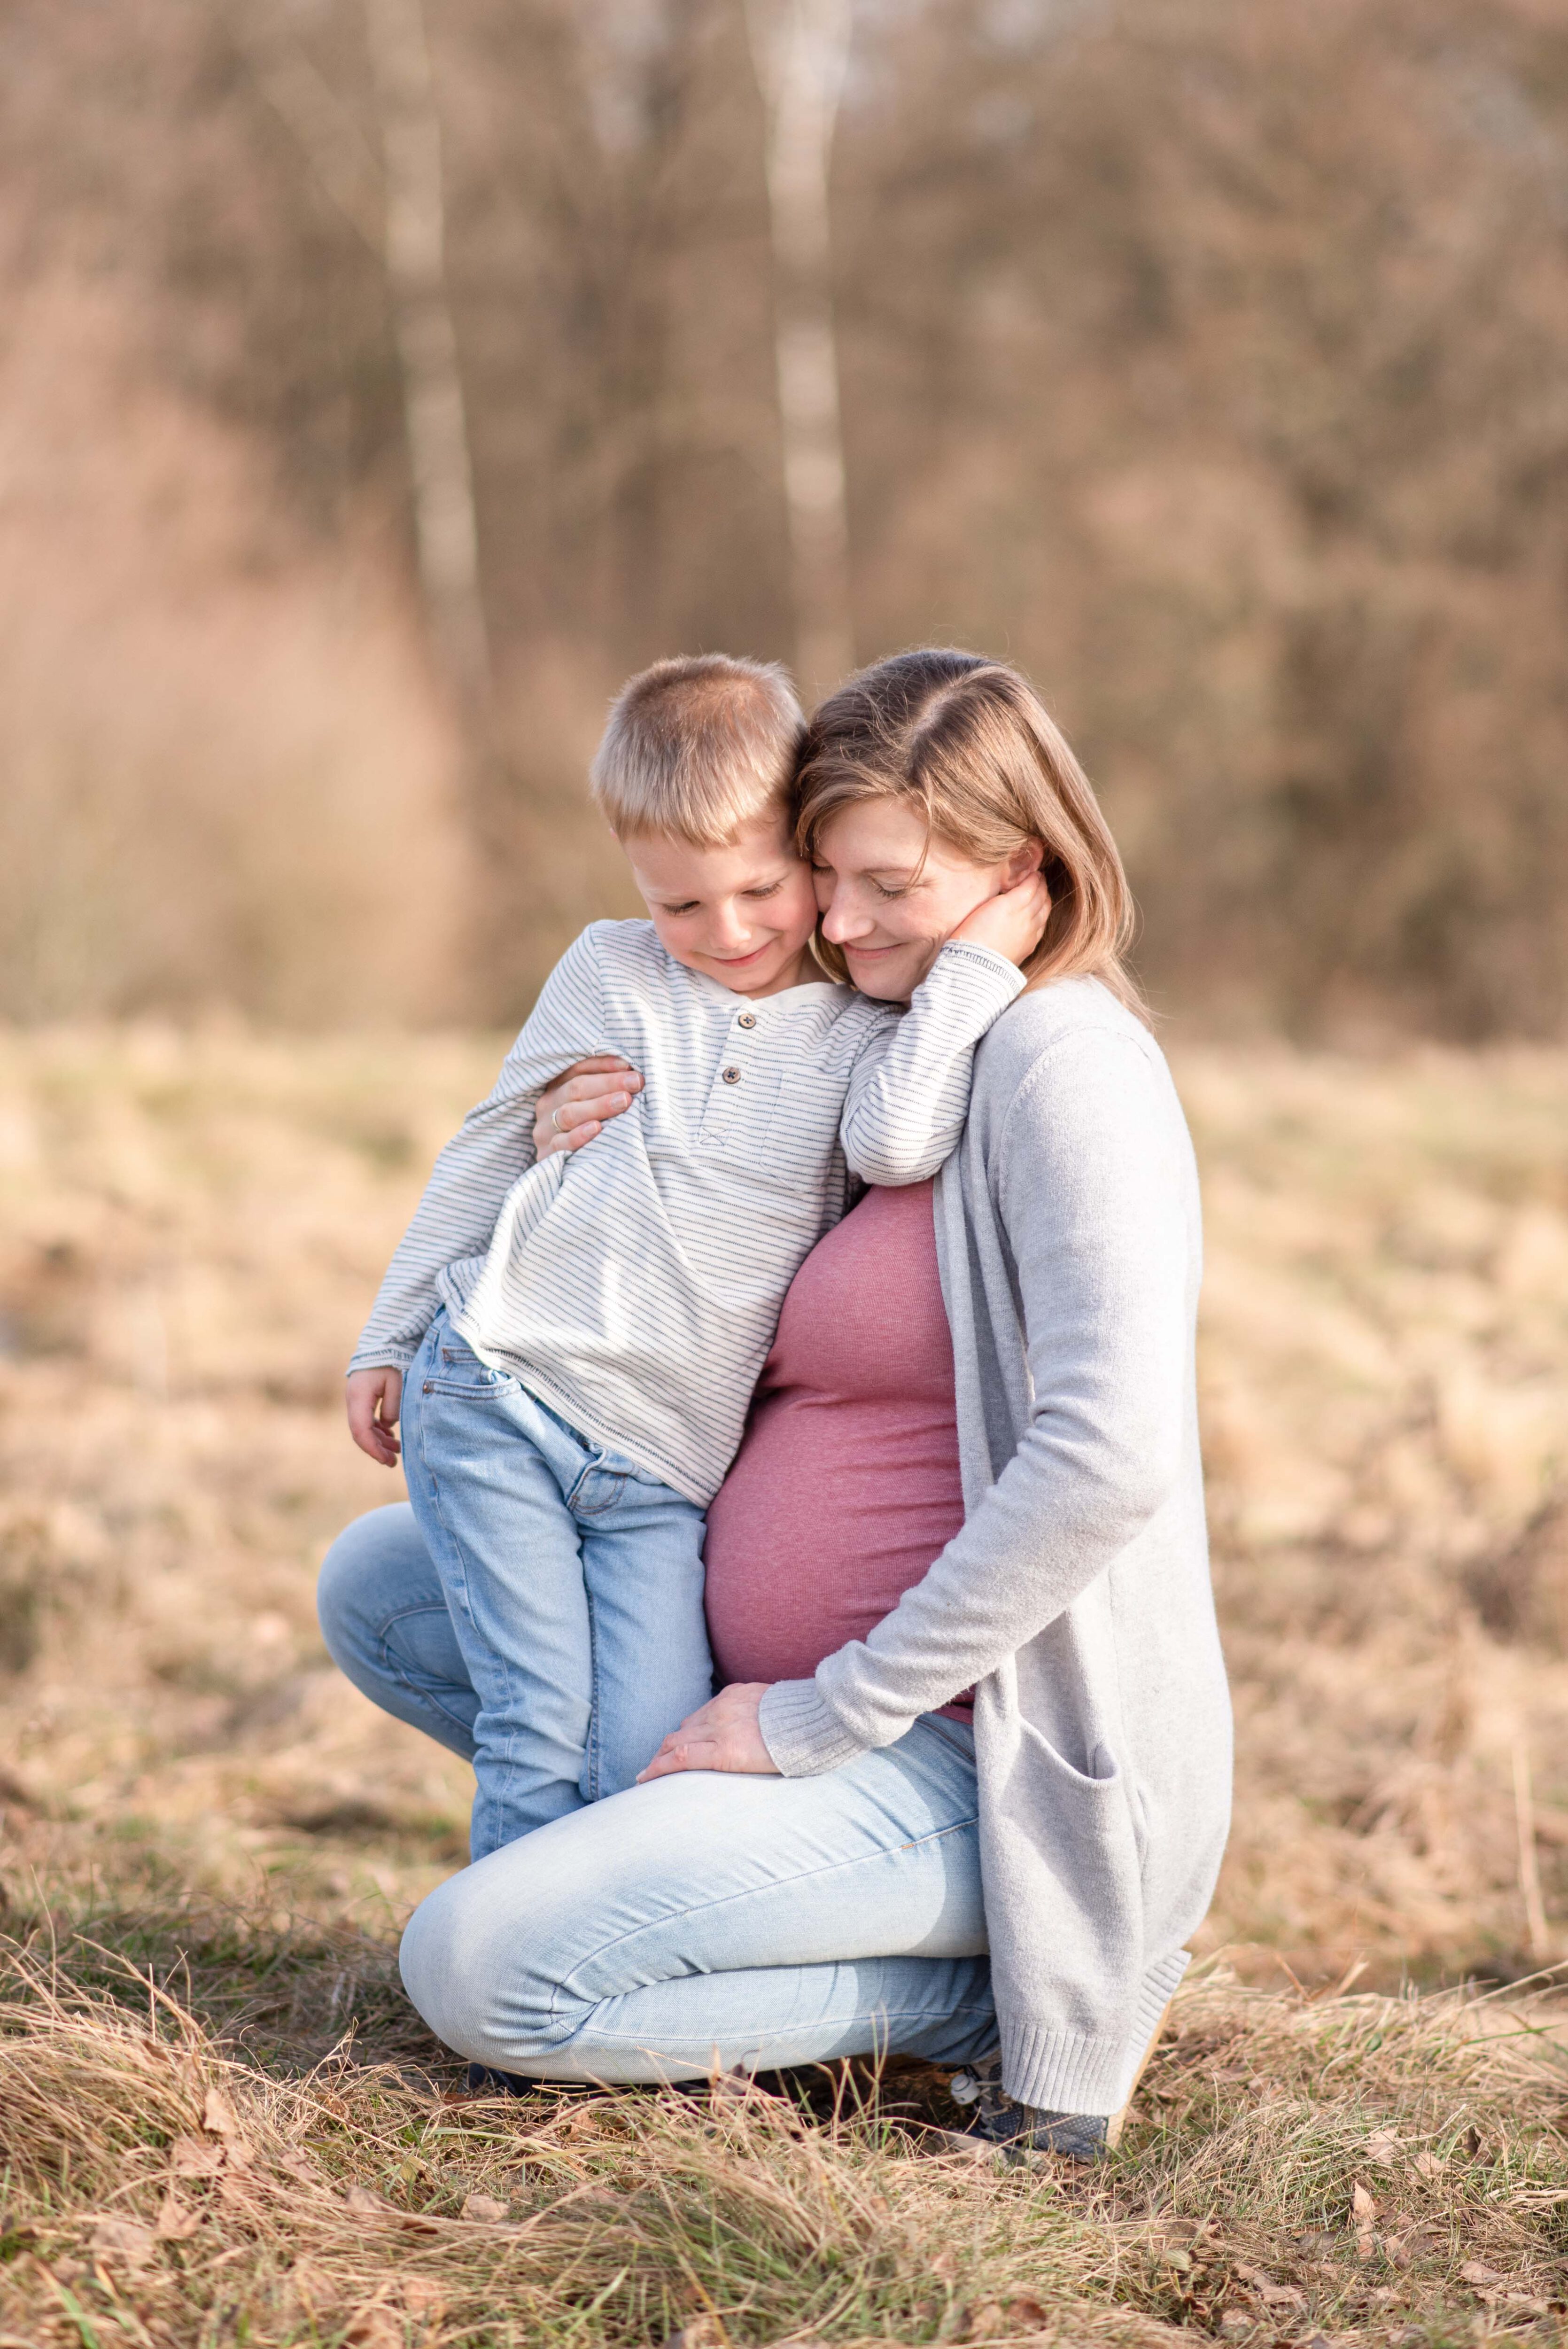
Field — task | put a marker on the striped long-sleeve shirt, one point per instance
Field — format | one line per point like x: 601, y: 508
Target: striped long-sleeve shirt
x: 634, y: 1287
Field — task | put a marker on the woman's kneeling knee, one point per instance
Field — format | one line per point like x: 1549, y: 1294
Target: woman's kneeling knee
x: 459, y: 1967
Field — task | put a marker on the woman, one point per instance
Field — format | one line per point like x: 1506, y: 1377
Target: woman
x: 966, y: 1792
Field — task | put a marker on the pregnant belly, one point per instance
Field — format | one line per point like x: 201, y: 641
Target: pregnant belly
x: 829, y: 1514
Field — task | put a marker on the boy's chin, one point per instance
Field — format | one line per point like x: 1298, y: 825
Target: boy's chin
x: 766, y: 969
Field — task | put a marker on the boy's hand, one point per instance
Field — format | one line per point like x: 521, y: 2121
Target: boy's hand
x: 1011, y: 925
x: 721, y: 1734
x: 579, y: 1104
x: 375, y: 1400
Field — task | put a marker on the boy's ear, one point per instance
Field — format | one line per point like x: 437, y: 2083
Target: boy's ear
x: 1025, y: 861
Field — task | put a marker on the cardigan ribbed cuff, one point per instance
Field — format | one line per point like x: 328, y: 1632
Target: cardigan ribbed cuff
x: 1069, y: 2071
x: 800, y: 1733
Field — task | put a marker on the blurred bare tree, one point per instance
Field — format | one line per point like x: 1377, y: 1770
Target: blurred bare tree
x: 801, y: 50
x: 1207, y: 359
x: 445, y: 524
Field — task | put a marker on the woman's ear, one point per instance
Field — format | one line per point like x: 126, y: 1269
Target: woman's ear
x: 1025, y: 861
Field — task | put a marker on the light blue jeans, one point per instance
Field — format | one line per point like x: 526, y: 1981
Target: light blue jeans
x: 574, y: 1583
x: 704, y: 1919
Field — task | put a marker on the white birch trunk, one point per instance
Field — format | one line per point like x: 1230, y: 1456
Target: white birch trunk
x: 800, y: 49
x: 445, y: 523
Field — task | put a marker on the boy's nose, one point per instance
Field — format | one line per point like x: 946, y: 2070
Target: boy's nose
x: 730, y: 934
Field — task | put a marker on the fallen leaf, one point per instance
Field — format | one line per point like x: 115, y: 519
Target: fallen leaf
x: 310, y: 2283
x: 176, y: 2220
x: 1476, y: 2272
x: 1280, y: 2295
x: 945, y: 2261
x: 1383, y: 2147
x: 189, y: 2157
x: 368, y: 2205
x: 1025, y: 2314
x: 484, y: 2209
x: 1428, y: 2165
x: 422, y: 2298
x: 298, y: 2166
x: 375, y: 2326
x: 218, y: 2115
x: 1363, y: 2207
x: 984, y: 2319
x: 702, y: 2332
x: 126, y: 2241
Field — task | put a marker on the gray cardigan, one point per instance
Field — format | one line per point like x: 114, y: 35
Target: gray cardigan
x: 1076, y: 1598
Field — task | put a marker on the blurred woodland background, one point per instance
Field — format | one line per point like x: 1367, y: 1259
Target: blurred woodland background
x: 381, y: 382
x: 1209, y: 360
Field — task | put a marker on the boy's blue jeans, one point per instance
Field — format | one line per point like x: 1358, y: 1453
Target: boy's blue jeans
x: 574, y: 1583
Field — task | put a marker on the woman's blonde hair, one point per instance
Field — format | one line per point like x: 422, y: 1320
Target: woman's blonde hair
x: 970, y: 744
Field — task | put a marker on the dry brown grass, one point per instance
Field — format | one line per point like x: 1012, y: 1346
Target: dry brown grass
x: 1364, y: 2165
x: 209, y: 1839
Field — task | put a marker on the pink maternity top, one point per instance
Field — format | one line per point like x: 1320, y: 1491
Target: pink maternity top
x: 846, y: 1484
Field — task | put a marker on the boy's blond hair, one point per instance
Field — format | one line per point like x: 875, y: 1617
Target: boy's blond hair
x: 697, y: 748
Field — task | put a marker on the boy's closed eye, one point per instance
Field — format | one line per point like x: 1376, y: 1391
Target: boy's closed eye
x: 760, y: 894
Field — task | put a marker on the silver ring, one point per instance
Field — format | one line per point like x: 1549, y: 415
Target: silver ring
x: 555, y: 1118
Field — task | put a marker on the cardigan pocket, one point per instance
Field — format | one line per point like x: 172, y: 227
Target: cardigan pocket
x: 1105, y: 1775
x: 1102, y: 1802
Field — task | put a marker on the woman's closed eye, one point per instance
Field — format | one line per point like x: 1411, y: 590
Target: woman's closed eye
x: 894, y: 885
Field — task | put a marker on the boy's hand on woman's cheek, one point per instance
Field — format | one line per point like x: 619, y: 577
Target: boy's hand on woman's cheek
x: 582, y: 1102
x: 722, y: 1735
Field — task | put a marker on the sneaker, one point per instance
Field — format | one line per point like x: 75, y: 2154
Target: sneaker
x: 998, y: 2119
x: 485, y: 2080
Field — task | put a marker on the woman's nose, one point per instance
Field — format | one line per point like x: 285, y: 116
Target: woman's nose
x: 841, y: 921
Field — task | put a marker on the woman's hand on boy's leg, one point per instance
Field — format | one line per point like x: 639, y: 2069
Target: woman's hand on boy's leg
x: 722, y: 1735
x: 581, y: 1104
x: 375, y: 1399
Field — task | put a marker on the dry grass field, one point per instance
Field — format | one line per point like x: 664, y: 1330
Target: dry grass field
x: 218, y: 2120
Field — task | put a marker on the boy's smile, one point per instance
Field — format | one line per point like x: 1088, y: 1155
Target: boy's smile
x: 742, y: 914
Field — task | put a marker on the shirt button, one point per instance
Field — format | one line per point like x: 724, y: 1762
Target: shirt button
x: 747, y: 1020
x: 731, y: 1076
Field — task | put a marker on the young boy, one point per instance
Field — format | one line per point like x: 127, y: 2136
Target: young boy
x: 575, y: 1341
